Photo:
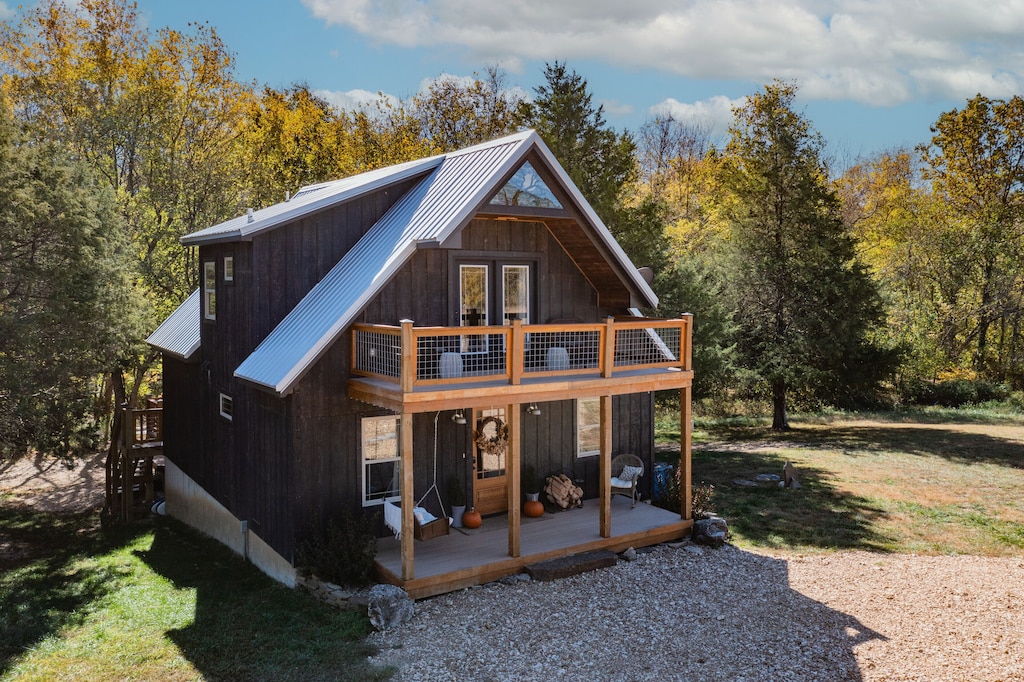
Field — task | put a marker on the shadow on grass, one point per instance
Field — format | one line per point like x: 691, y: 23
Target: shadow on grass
x: 247, y: 626
x: 46, y: 582
x: 940, y: 441
x: 815, y: 515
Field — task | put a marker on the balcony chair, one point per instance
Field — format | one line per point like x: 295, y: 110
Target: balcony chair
x: 626, y: 473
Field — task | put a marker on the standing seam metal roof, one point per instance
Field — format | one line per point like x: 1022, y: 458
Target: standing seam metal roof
x: 178, y: 335
x: 441, y: 203
x: 430, y: 211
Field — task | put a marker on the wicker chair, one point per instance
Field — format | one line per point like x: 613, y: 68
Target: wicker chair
x: 626, y: 485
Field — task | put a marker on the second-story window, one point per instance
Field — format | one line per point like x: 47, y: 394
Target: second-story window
x: 210, y: 290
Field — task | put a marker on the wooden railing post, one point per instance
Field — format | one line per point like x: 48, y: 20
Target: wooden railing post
x: 408, y: 364
x: 516, y: 353
x: 608, y: 348
x: 686, y: 338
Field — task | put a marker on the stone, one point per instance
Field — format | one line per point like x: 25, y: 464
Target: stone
x: 693, y: 549
x: 712, y: 532
x: 563, y: 567
x: 789, y: 477
x: 744, y: 483
x: 629, y: 554
x: 767, y: 478
x: 389, y: 606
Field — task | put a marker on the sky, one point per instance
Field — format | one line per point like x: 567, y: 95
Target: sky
x: 872, y: 74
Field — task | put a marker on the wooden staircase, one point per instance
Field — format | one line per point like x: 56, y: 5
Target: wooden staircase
x: 132, y: 462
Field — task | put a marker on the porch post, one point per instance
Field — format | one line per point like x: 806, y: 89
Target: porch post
x: 408, y: 497
x: 606, y: 466
x: 512, y: 460
x: 686, y: 426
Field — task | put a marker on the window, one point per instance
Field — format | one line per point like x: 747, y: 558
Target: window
x: 382, y: 465
x: 490, y: 464
x: 473, y: 305
x: 588, y: 427
x: 229, y: 268
x: 526, y: 188
x: 515, y: 293
x: 227, y: 406
x: 210, y: 290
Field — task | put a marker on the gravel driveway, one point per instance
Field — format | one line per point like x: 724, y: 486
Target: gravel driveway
x: 729, y: 614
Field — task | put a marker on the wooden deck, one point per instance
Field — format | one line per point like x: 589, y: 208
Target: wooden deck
x: 466, y: 558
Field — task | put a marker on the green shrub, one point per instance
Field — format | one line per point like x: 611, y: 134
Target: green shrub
x: 342, y: 552
x: 953, y: 392
x: 701, y: 504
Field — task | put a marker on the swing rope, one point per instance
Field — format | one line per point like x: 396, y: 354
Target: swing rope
x: 433, y: 485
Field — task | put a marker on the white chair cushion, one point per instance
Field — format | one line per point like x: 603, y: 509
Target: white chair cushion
x: 619, y: 483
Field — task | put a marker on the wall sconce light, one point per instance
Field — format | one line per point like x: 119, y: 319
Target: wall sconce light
x: 458, y: 417
x: 533, y: 409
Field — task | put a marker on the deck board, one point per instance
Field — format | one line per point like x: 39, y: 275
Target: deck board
x: 457, y: 560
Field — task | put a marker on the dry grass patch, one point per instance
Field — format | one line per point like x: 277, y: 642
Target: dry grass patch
x: 921, y: 487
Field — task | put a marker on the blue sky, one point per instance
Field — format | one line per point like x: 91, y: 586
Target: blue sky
x: 873, y: 74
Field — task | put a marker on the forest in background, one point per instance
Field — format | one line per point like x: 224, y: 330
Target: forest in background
x: 895, y: 280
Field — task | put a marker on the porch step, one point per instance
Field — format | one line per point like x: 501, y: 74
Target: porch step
x: 563, y: 567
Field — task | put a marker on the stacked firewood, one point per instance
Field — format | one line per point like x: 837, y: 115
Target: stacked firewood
x: 561, y: 491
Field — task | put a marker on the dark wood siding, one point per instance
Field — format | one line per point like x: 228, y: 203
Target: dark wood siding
x: 182, y: 444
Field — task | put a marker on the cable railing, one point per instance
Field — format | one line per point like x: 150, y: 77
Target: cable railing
x: 417, y: 357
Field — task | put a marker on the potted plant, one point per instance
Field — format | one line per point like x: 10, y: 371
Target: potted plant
x: 533, y: 507
x: 457, y: 499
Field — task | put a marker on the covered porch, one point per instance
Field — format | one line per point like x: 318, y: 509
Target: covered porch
x: 464, y: 558
x: 410, y: 370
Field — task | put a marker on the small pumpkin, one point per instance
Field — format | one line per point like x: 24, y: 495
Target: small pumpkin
x: 533, y: 508
x: 471, y: 518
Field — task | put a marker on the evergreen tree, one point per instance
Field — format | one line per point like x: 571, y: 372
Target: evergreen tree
x: 805, y: 305
x: 66, y: 309
x: 600, y: 161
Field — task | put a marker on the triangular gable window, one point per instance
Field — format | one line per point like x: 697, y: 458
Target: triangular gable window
x: 525, y: 188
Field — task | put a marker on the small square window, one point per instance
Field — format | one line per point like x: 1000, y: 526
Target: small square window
x: 229, y: 268
x: 226, y: 406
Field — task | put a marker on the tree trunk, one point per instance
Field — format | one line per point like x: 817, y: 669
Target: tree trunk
x: 779, y: 420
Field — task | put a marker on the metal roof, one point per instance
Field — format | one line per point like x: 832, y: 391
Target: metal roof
x: 178, y: 335
x: 308, y: 200
x: 443, y: 202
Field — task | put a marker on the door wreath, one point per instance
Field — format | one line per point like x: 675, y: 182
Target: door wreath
x: 492, y: 436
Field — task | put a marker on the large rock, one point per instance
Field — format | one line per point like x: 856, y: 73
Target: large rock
x: 389, y: 606
x: 712, y: 531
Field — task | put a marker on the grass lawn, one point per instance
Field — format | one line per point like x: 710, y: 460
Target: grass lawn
x: 935, y: 482
x: 157, y: 601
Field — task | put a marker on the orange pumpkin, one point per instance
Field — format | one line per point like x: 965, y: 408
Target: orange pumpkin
x: 471, y: 518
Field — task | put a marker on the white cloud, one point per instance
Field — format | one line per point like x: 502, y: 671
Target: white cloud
x: 354, y: 99
x: 616, y: 108
x: 715, y: 113
x: 5, y: 11
x: 872, y: 51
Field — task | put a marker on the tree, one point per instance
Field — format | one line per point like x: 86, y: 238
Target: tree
x: 156, y: 115
x: 804, y: 304
x: 454, y: 114
x: 600, y: 161
x: 67, y: 312
x: 975, y: 161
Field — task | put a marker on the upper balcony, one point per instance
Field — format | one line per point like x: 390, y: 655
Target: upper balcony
x: 410, y: 369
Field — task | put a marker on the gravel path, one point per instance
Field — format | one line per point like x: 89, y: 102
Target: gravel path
x: 694, y: 614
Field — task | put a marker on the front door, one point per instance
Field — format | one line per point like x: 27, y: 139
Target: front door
x: 490, y: 488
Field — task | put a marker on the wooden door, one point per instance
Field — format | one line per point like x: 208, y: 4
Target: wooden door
x: 490, y: 486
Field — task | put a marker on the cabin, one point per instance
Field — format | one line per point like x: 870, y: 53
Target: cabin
x: 372, y: 342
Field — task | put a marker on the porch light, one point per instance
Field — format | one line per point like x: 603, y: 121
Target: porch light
x: 533, y: 409
x: 458, y: 417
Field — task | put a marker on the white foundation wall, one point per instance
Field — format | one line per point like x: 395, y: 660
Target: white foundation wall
x: 188, y: 502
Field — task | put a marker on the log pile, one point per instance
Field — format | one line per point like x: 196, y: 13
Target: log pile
x: 561, y: 491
